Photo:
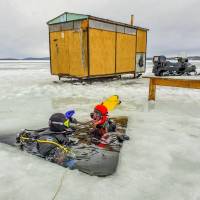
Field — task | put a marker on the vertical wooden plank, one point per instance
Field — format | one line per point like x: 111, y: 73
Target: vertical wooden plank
x: 88, y: 50
x: 141, y: 41
x: 59, y: 53
x: 115, y: 51
x: 54, y: 37
x: 50, y: 52
x: 77, y: 53
x: 64, y: 53
x: 85, y: 53
x: 102, y: 52
x: 135, y: 55
x: 152, y: 90
x: 125, y: 53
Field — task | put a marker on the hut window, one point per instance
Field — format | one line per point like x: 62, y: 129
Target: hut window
x: 131, y: 31
x: 77, y: 24
x: 54, y: 28
x: 101, y: 25
x: 67, y: 26
x: 120, y: 29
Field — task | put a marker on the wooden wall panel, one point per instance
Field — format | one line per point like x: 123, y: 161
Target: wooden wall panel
x: 141, y: 41
x: 102, y: 52
x: 64, y: 54
x: 69, y: 53
x: 59, y: 53
x: 54, y: 53
x: 78, y: 53
x: 125, y: 55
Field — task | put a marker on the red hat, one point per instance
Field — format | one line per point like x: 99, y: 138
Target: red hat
x: 102, y: 109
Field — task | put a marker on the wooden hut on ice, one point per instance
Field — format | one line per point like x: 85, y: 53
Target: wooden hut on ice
x: 85, y: 46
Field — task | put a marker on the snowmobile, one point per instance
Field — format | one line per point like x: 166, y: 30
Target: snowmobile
x: 162, y: 67
x: 81, y: 150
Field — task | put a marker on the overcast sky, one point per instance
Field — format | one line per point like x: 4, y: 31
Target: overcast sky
x: 174, y: 24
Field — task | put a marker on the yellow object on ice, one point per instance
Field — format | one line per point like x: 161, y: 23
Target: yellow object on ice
x: 67, y: 123
x: 112, y: 102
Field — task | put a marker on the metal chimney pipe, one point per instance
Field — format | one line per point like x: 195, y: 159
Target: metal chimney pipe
x: 132, y: 20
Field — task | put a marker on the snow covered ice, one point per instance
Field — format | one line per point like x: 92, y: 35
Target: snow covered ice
x: 161, y: 160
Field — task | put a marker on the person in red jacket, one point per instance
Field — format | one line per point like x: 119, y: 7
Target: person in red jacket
x: 100, y: 122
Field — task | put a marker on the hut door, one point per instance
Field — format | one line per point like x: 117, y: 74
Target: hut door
x: 125, y: 56
x: 59, y: 53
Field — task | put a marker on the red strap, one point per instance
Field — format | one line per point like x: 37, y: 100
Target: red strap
x: 101, y: 145
x: 102, y: 120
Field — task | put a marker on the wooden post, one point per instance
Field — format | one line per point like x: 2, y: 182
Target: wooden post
x: 152, y: 90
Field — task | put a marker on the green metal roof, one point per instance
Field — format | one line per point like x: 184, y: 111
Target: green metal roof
x: 66, y: 17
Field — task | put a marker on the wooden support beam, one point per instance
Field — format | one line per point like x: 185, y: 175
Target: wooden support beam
x: 172, y: 82
x: 183, y: 83
x: 152, y: 90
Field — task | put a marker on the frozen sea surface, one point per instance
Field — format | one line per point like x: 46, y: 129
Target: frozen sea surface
x: 161, y: 161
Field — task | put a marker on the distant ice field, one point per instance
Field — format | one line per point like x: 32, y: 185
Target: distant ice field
x: 161, y: 160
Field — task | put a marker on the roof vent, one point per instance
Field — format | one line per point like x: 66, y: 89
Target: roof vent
x: 132, y: 20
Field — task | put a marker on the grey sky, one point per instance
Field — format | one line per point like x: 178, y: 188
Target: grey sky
x: 174, y: 24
